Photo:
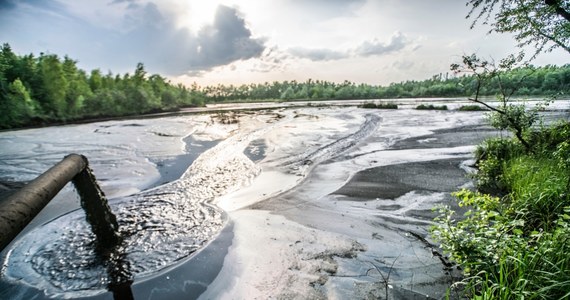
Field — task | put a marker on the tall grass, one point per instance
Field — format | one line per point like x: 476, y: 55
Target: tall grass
x: 514, y: 245
x: 538, y: 189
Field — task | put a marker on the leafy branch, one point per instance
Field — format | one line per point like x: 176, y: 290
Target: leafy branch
x: 507, y: 116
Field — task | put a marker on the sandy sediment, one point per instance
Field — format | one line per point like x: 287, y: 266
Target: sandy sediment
x: 355, y: 225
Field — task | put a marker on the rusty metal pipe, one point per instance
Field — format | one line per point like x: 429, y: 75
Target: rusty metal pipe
x: 20, y: 208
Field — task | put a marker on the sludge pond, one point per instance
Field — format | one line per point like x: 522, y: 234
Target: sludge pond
x: 313, y: 202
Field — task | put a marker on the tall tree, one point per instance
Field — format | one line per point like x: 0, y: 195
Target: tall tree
x: 16, y: 106
x: 7, y: 61
x: 54, y: 86
x: 77, y: 89
x: 545, y: 24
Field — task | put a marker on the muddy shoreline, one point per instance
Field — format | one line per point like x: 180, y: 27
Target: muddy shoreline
x: 357, y: 227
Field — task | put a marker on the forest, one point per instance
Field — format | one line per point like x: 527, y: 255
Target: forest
x: 46, y: 89
x: 530, y: 81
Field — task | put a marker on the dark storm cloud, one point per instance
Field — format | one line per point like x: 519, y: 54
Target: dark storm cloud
x: 162, y: 45
x: 227, y: 40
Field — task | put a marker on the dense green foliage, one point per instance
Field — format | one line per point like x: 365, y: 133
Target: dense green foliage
x: 502, y: 257
x: 514, y: 245
x: 45, y: 89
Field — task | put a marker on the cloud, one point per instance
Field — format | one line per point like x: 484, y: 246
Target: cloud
x: 7, y: 4
x: 227, y: 40
x: 175, y: 51
x: 328, y: 8
x: 141, y: 32
x: 403, y: 65
x: 123, y: 1
x: 318, y: 54
x: 397, y: 42
x: 47, y: 4
x: 42, y: 4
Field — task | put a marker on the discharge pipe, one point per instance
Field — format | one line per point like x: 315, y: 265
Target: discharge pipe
x: 18, y: 210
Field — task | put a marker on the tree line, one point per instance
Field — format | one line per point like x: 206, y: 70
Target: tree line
x: 529, y: 80
x: 47, y: 89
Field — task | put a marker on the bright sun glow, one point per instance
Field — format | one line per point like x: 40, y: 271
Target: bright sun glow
x: 198, y: 13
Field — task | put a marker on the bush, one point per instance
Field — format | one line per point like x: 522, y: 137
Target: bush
x: 471, y: 108
x: 491, y: 156
x: 500, y: 256
x: 379, y: 106
x: 431, y: 107
x: 514, y: 246
x: 368, y: 105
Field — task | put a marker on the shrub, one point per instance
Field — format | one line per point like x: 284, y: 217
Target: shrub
x: 471, y: 108
x: 431, y: 107
x: 380, y: 105
x: 500, y: 256
x: 490, y: 157
x: 368, y: 105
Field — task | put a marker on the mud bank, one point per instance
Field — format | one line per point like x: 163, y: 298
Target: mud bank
x: 356, y: 225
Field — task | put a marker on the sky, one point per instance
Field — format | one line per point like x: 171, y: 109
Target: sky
x: 254, y: 41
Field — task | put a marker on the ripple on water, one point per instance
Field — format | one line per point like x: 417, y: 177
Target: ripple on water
x: 158, y: 229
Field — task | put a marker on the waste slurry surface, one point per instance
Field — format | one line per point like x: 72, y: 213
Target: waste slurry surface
x: 323, y: 202
x: 354, y: 224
